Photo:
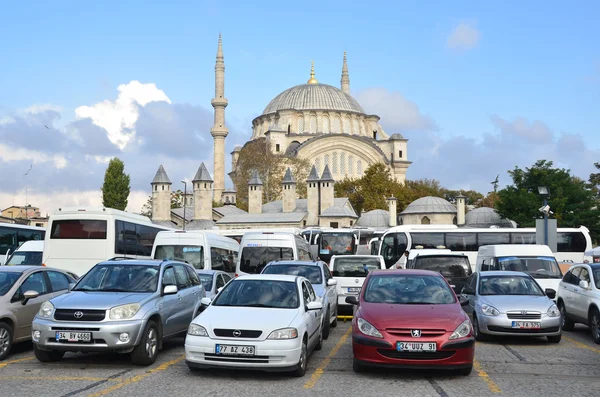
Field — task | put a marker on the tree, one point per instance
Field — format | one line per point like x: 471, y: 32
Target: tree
x: 491, y: 200
x: 595, y: 181
x: 115, y: 190
x: 176, y: 202
x: 473, y: 197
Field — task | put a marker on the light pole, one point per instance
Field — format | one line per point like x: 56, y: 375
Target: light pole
x: 545, y: 193
x: 184, y: 203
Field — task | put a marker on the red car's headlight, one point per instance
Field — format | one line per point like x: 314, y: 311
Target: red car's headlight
x: 368, y: 329
x: 462, y: 331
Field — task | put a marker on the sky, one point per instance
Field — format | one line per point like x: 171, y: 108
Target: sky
x: 477, y: 88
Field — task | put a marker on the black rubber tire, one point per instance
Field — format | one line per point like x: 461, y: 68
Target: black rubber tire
x: 335, y: 321
x: 465, y: 371
x: 357, y: 366
x: 595, y: 325
x: 477, y: 331
x: 567, y: 324
x: 326, y: 325
x: 47, y: 356
x: 319, y: 344
x: 6, y: 341
x: 554, y: 338
x: 146, y: 352
x: 303, y: 363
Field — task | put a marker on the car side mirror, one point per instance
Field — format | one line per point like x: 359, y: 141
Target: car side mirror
x: 584, y: 284
x: 331, y: 282
x: 352, y: 300
x: 550, y: 293
x: 314, y: 305
x: 170, y: 290
x: 205, y: 301
x: 464, y: 301
x: 29, y: 295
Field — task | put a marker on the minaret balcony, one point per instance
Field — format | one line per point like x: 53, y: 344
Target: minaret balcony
x: 215, y: 102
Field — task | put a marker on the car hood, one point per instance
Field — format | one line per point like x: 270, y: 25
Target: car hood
x: 385, y: 315
x: 506, y: 303
x: 251, y: 318
x: 96, y: 300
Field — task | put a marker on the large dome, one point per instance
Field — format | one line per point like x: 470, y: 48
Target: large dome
x: 375, y: 219
x: 485, y: 217
x: 313, y: 97
x: 429, y: 205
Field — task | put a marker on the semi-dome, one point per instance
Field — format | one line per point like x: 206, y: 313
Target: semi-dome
x: 486, y: 217
x: 375, y: 218
x: 429, y: 205
x: 314, y: 97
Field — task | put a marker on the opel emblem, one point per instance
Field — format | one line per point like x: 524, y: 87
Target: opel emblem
x: 356, y: 281
x: 523, y: 312
x: 78, y: 314
x: 237, y: 333
x: 416, y: 333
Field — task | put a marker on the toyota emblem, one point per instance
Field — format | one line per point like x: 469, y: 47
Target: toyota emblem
x: 237, y: 333
x: 416, y: 333
x: 78, y: 314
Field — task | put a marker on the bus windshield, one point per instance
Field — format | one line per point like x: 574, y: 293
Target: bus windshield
x: 254, y: 259
x: 337, y: 244
x: 536, y: 266
x: 194, y: 254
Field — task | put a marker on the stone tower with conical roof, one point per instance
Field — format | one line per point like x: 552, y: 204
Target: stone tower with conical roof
x: 255, y: 186
x: 312, y: 197
x: 289, y: 192
x: 327, y: 192
x: 219, y: 131
x: 203, y: 188
x: 345, y: 82
x: 161, y: 196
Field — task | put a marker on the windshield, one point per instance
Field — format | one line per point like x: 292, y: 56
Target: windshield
x: 537, y: 266
x: 336, y: 243
x: 207, y: 281
x: 409, y: 290
x: 447, y: 266
x: 7, y: 280
x: 25, y: 258
x: 312, y: 273
x: 119, y: 278
x: 354, y: 267
x: 254, y: 259
x: 259, y: 293
x: 509, y: 285
x: 194, y: 255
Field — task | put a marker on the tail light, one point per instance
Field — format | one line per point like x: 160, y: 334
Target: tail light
x: 236, y: 275
x: 43, y: 264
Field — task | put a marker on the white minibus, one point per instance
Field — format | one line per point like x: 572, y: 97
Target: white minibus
x: 13, y: 235
x: 28, y: 254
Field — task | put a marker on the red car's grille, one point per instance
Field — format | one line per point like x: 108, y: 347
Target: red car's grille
x: 408, y: 332
x: 439, y: 355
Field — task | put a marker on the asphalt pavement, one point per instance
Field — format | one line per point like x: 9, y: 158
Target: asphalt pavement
x: 505, y: 366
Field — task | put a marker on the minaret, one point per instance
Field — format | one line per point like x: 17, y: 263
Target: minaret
x: 345, y: 76
x: 219, y: 131
x: 202, y: 194
x: 161, y: 196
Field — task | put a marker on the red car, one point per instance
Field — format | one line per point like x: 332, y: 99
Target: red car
x: 410, y: 319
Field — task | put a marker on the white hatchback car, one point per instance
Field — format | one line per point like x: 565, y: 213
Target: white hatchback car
x: 350, y: 272
x: 262, y: 322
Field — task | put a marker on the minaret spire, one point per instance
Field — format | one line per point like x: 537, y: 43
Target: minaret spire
x: 312, y: 79
x: 345, y: 76
x: 219, y: 131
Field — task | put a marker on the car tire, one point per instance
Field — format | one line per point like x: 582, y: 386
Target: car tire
x: 319, y: 344
x: 595, y: 325
x: 6, y: 339
x: 465, y: 371
x: 335, y: 321
x: 357, y: 366
x: 326, y: 325
x: 302, y: 363
x: 146, y: 352
x: 477, y: 331
x: 554, y: 338
x: 47, y: 356
x: 567, y: 324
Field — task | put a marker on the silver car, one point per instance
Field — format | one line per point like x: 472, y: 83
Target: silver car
x: 23, y: 289
x: 125, y: 306
x: 511, y: 303
x: 212, y: 281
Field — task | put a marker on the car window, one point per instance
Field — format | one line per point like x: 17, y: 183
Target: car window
x: 169, y: 277
x: 58, y: 281
x: 220, y: 281
x: 584, y: 275
x: 183, y: 281
x: 469, y: 282
x: 574, y: 276
x: 311, y: 291
x: 193, y: 276
x: 327, y: 273
x: 36, y: 283
x: 226, y: 278
x: 305, y: 293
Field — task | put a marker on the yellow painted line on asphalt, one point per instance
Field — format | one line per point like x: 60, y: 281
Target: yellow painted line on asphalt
x: 494, y: 388
x: 137, y: 378
x: 581, y: 345
x: 7, y: 363
x: 55, y: 378
x: 319, y: 371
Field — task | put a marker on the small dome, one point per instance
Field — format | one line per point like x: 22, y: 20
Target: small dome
x: 375, y: 218
x: 396, y: 137
x: 485, y: 217
x: 313, y: 97
x: 237, y: 148
x: 429, y: 205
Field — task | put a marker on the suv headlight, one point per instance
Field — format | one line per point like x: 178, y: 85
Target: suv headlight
x: 284, y: 333
x: 46, y: 310
x: 367, y: 328
x: 197, y: 330
x: 489, y: 310
x: 553, y: 311
x: 462, y: 331
x: 124, y: 312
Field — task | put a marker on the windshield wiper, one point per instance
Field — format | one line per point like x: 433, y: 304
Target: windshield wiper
x: 257, y: 305
x: 112, y: 290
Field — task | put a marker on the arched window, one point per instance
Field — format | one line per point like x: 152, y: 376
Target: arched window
x: 359, y: 169
x: 326, y: 161
x: 326, y: 129
x: 343, y: 163
x: 425, y: 221
x: 313, y: 124
x: 300, y: 125
x: 347, y: 126
x: 318, y: 165
x: 350, y: 165
x: 335, y: 128
x: 355, y: 129
x: 334, y: 168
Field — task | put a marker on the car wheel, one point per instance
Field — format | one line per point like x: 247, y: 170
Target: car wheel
x: 357, y: 366
x: 326, y: 325
x: 145, y: 353
x: 301, y: 369
x: 595, y: 325
x: 6, y: 335
x: 465, y: 371
x: 477, y: 331
x: 554, y: 338
x: 319, y: 344
x: 47, y: 356
x: 334, y: 322
x: 566, y: 323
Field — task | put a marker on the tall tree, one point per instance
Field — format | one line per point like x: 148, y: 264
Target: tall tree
x: 115, y: 190
x: 595, y: 180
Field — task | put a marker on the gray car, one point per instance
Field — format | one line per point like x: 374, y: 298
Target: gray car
x: 212, y: 281
x: 23, y: 289
x: 125, y: 306
x: 511, y: 303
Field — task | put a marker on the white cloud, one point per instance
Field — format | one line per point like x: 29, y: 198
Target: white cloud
x: 4, y: 120
x: 118, y: 118
x: 37, y: 109
x: 465, y: 37
x: 8, y: 154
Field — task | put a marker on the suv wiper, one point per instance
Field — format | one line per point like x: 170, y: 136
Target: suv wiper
x: 112, y: 290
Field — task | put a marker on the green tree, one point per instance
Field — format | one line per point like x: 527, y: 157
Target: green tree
x: 115, y: 190
x: 595, y: 181
x: 473, y: 197
x: 176, y: 202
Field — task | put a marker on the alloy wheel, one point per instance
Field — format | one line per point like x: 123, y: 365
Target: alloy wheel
x: 4, y: 341
x: 303, y: 357
x: 596, y: 326
x: 151, y: 343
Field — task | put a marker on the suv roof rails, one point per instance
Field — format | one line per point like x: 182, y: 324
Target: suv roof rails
x: 119, y: 258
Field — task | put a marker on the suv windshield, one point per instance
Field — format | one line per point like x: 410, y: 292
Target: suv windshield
x: 536, y: 266
x: 508, y: 285
x: 255, y: 258
x: 259, y: 293
x: 447, y: 266
x: 120, y: 278
x: 409, y: 290
x: 354, y: 267
x: 7, y: 280
x: 194, y: 254
x: 311, y: 272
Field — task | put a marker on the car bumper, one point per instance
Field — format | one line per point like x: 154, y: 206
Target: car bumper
x: 270, y: 355
x: 105, y: 336
x: 501, y: 325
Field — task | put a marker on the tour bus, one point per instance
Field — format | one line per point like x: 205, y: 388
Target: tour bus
x: 199, y: 248
x: 571, y: 242
x: 336, y: 242
x: 78, y: 238
x: 12, y: 236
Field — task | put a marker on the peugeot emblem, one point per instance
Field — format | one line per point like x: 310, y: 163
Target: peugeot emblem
x: 78, y: 314
x: 416, y: 333
x: 237, y: 333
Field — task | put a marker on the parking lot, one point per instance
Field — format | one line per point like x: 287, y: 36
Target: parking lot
x: 516, y: 367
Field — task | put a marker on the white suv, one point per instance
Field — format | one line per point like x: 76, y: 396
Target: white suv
x: 350, y: 272
x: 579, y: 298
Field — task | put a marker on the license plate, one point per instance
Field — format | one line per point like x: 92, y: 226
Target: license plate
x: 234, y: 350
x: 74, y: 336
x: 416, y: 347
x: 526, y: 324
x: 354, y: 290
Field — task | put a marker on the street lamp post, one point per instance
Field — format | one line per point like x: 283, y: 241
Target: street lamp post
x: 184, y: 203
x: 545, y: 193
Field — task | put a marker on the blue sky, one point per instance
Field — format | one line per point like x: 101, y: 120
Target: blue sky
x: 475, y: 70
